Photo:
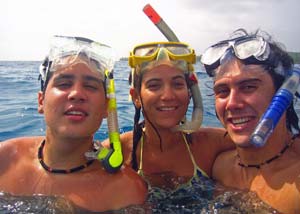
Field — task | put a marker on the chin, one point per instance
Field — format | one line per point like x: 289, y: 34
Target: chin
x: 241, y: 141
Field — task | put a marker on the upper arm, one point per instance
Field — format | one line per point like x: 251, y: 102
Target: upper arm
x: 7, y: 151
x: 126, y: 140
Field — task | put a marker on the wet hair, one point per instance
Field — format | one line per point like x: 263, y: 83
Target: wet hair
x: 280, y: 59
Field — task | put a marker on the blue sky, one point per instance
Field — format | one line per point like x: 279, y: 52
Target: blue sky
x: 26, y: 26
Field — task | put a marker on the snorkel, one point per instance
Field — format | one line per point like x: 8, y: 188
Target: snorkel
x: 197, y: 114
x: 112, y: 157
x: 100, y: 58
x: 259, y: 49
x: 279, y: 104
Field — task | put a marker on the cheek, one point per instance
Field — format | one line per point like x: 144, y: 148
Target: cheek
x: 220, y: 107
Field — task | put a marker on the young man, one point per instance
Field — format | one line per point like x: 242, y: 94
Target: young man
x: 247, y: 71
x: 73, y: 101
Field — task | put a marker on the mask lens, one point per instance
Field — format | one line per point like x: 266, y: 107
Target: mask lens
x: 178, y: 50
x: 148, y: 52
x: 214, y: 53
x: 97, y: 55
x: 145, y: 51
x: 65, y: 50
x: 245, y: 49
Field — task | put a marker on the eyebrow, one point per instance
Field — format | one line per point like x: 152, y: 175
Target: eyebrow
x: 72, y: 77
x: 173, y: 78
x: 250, y: 80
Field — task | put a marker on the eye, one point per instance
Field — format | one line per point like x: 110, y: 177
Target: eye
x: 221, y: 92
x: 248, y: 88
x: 153, y: 85
x: 91, y: 86
x: 63, y: 84
x: 179, y: 84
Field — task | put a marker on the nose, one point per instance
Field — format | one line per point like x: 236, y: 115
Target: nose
x: 235, y: 101
x: 167, y: 93
x: 77, y: 93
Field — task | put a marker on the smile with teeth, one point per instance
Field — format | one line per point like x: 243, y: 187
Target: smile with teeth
x: 167, y: 108
x: 77, y: 113
x: 240, y: 121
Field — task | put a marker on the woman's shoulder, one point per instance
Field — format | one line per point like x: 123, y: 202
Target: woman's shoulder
x: 126, y: 137
x: 210, y: 133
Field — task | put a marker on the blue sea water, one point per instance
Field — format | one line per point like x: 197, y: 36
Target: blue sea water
x: 18, y: 101
x: 19, y: 117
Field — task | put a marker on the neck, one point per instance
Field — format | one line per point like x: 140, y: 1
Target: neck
x: 65, y: 152
x: 258, y: 157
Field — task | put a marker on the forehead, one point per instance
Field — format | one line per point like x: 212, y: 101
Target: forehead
x: 236, y: 69
x: 162, y: 71
x: 78, y: 68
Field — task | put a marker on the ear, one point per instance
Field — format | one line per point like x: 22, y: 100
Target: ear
x: 41, y: 102
x: 135, y: 97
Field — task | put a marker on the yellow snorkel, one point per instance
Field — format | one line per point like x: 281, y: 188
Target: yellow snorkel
x: 197, y: 115
x: 112, y: 157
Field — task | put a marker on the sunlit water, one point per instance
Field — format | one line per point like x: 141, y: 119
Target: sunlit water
x: 18, y: 115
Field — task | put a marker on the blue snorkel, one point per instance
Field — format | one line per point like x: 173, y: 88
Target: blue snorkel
x: 280, y: 102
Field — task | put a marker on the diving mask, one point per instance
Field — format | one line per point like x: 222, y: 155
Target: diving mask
x: 172, y: 51
x: 66, y: 50
x: 249, y: 49
x: 177, y: 54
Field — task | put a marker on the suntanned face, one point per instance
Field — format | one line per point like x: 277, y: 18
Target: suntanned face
x: 242, y: 94
x: 164, y: 95
x: 74, y: 102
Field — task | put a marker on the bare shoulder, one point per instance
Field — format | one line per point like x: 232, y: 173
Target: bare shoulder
x: 126, y: 138
x: 17, y: 150
x: 22, y: 142
x: 215, y: 139
x: 223, y: 164
x: 132, y: 185
x: 210, y: 132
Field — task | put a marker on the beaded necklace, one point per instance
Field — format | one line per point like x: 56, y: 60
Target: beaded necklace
x: 258, y: 166
x: 59, y: 171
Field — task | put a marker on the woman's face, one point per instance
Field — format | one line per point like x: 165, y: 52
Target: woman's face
x: 164, y: 96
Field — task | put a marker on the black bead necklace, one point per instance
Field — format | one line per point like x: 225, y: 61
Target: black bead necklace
x: 258, y: 166
x: 59, y: 171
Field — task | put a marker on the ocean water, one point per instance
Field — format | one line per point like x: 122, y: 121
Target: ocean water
x: 19, y: 117
x: 18, y: 101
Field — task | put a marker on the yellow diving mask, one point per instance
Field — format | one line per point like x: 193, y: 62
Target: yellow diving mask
x: 149, y: 52
x: 177, y: 54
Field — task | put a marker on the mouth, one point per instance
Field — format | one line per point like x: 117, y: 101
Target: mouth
x: 241, y: 121
x: 167, y: 108
x: 76, y: 113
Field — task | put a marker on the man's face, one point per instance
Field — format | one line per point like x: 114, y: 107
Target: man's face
x: 242, y: 94
x: 74, y: 102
